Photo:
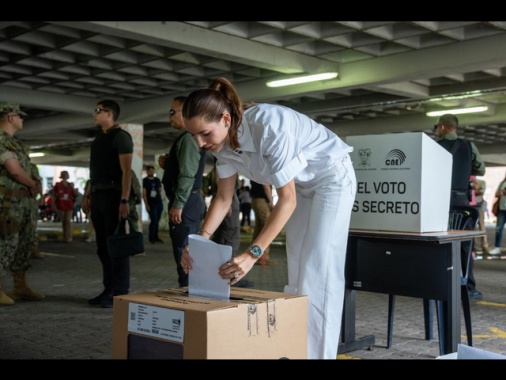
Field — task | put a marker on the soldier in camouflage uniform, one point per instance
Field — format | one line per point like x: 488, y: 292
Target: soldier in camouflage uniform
x: 17, y: 190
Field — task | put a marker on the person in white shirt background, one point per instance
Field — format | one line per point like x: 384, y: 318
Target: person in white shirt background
x: 310, y: 168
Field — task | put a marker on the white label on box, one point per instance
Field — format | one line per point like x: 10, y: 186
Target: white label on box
x: 155, y: 321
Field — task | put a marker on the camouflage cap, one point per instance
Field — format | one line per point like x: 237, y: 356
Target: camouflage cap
x: 11, y: 107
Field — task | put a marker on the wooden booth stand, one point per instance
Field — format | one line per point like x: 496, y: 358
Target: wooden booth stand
x: 399, y: 241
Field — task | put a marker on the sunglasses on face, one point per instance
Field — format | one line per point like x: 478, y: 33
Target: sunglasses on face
x: 20, y: 116
x: 172, y: 112
x: 98, y: 110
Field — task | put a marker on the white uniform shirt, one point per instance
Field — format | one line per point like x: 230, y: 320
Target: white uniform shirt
x: 278, y: 144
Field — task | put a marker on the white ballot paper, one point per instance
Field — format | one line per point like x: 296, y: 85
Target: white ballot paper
x: 469, y: 353
x: 207, y: 256
x: 466, y: 352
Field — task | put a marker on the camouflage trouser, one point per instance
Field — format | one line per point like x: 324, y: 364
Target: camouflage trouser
x: 15, y: 250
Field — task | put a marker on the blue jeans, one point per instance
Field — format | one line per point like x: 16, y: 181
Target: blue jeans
x: 155, y: 213
x: 501, y: 220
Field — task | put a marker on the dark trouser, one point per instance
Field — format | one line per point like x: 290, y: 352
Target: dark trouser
x: 460, y: 198
x: 155, y: 213
x: 192, y: 216
x: 105, y: 218
x: 246, y: 214
x: 228, y: 233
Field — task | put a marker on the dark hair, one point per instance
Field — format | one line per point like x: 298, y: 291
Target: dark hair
x: 112, y: 106
x: 212, y: 102
x: 149, y: 167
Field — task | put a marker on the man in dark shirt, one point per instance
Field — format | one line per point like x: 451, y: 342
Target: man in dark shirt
x: 111, y: 157
x: 466, y: 162
x: 152, y: 195
x: 182, y: 182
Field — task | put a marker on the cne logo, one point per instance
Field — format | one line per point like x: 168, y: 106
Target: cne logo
x: 395, y: 157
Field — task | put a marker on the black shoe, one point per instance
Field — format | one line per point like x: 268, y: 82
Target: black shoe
x: 244, y: 284
x: 475, y: 295
x: 106, y: 303
x: 158, y: 240
x: 98, y: 299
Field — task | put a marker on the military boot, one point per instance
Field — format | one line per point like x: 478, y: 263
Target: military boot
x: 21, y: 290
x: 4, y: 298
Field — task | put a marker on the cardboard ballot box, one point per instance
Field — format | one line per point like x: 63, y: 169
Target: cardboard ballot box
x: 170, y: 324
x: 403, y: 183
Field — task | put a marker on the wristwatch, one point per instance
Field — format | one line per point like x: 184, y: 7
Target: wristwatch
x: 255, y: 250
x: 124, y: 201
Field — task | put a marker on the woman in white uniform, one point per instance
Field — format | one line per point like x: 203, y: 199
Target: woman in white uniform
x: 315, y: 181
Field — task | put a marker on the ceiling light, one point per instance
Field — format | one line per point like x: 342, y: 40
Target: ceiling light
x: 458, y: 111
x: 36, y: 154
x: 302, y: 79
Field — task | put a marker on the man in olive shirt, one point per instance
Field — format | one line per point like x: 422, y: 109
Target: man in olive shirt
x: 182, y: 181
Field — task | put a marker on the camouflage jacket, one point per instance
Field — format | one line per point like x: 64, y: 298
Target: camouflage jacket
x: 12, y: 147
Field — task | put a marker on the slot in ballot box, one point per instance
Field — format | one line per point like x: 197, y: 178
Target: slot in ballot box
x: 403, y: 183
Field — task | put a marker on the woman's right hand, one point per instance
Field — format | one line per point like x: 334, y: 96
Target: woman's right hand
x: 186, y: 260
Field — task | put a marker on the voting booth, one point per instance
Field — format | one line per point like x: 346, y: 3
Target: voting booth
x: 403, y: 183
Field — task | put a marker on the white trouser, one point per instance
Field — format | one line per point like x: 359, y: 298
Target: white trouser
x: 316, y: 239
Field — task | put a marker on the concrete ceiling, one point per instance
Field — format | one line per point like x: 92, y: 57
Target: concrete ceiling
x: 390, y: 74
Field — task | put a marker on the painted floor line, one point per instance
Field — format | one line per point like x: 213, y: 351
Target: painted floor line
x: 58, y: 255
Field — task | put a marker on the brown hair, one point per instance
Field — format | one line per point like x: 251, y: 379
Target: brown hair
x: 212, y: 102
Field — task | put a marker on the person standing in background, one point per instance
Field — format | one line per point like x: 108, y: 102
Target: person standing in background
x: 261, y: 203
x: 18, y: 188
x: 36, y: 254
x: 152, y: 195
x: 111, y: 155
x: 479, y: 186
x: 245, y: 208
x: 501, y: 218
x: 466, y: 162
x: 182, y: 181
x: 310, y: 167
x: 65, y: 193
x: 77, y: 215
x: 228, y: 233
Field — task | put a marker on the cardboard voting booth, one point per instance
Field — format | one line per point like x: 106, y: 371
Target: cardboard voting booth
x: 171, y: 324
x: 403, y: 183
